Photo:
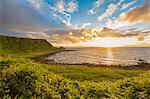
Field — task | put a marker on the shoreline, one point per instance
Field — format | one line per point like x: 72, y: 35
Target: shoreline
x: 129, y: 67
x: 40, y: 59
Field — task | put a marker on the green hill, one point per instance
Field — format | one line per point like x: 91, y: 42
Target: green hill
x: 24, y: 46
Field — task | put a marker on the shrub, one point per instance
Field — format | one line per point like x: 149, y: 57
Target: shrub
x: 23, y: 78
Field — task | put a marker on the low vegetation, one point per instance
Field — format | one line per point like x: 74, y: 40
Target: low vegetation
x: 23, y: 78
x: 82, y: 73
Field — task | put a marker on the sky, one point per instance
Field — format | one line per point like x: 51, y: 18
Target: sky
x: 78, y: 22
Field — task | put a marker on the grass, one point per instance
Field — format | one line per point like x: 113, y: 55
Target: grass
x: 83, y: 73
x: 14, y: 46
x: 22, y: 78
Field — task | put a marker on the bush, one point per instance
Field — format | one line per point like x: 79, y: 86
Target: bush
x: 23, y: 78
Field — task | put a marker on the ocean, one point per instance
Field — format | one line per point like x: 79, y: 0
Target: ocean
x: 105, y: 56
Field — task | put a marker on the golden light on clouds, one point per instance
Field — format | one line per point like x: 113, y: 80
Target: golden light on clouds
x: 138, y: 14
x: 105, y: 37
x: 110, y: 42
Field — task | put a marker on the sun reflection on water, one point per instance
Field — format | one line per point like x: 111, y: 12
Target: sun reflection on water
x: 109, y: 56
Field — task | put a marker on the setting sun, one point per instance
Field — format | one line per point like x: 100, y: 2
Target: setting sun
x: 110, y: 42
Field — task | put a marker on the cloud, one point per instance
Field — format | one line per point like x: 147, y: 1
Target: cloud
x: 75, y: 36
x: 95, y: 7
x: 86, y: 25
x: 60, y: 5
x: 72, y: 6
x: 120, y: 3
x: 65, y: 37
x: 109, y: 11
x: 63, y: 7
x: 79, y: 36
x: 64, y: 10
x: 36, y: 3
x: 125, y: 6
x: 136, y: 18
x: 138, y: 14
x: 91, y: 12
x: 22, y: 16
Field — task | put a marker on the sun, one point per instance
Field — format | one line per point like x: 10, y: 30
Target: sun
x: 110, y: 42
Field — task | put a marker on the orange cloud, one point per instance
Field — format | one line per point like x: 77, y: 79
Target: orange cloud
x: 138, y: 14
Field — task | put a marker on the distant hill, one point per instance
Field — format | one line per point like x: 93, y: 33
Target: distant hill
x: 24, y: 46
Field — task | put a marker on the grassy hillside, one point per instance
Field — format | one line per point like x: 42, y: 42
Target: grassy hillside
x: 24, y: 46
